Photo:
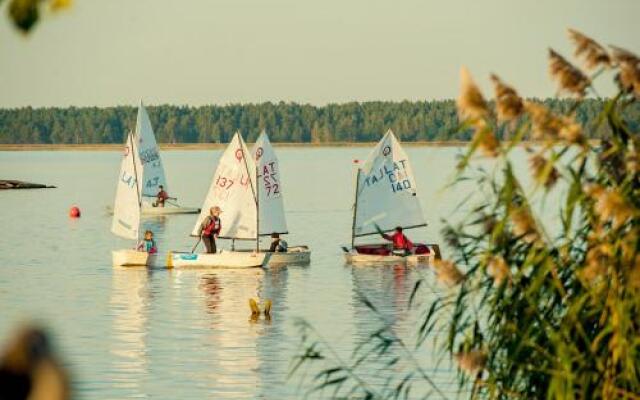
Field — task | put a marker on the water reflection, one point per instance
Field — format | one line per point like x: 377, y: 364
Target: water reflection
x: 272, y: 341
x: 389, y: 289
x: 223, y: 358
x: 129, y: 305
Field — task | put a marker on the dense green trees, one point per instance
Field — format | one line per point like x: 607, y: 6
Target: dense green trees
x: 285, y: 122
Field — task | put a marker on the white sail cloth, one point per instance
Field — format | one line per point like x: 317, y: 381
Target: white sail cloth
x: 272, y: 216
x: 151, y: 175
x: 386, y: 191
x: 126, y: 210
x: 233, y: 190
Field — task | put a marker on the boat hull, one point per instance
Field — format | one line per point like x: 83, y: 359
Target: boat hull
x: 356, y: 258
x: 295, y: 255
x: 132, y: 258
x: 224, y: 259
x: 169, y: 210
x: 364, y: 259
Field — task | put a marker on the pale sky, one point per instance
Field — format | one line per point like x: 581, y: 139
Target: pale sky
x: 195, y: 52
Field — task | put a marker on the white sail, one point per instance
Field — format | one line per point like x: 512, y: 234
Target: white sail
x: 272, y: 217
x: 126, y: 210
x: 232, y: 189
x: 151, y: 175
x: 386, y: 191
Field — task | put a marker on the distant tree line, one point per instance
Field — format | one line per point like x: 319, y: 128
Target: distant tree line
x: 285, y: 122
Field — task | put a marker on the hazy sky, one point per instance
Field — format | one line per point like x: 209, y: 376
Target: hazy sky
x: 111, y: 52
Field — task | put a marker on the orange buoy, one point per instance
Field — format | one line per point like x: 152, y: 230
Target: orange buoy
x: 74, y: 212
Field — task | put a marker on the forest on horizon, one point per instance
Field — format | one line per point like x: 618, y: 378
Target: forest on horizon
x: 285, y: 122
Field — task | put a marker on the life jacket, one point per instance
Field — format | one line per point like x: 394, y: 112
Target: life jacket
x: 149, y: 246
x: 153, y: 249
x: 213, y: 227
x: 400, y: 241
x: 162, y: 195
x: 282, y: 246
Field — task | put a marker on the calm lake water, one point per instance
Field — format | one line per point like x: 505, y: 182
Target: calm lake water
x: 186, y: 334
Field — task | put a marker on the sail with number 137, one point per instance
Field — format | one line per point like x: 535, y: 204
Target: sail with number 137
x: 233, y: 189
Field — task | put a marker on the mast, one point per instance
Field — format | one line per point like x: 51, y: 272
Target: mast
x: 355, y: 210
x: 257, y: 212
x: 255, y: 197
x: 135, y: 171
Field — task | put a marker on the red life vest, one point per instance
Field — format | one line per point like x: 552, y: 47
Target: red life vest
x: 213, y: 227
x: 400, y: 241
x: 162, y: 195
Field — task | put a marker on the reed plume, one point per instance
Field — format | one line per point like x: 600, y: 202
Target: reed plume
x: 471, y: 104
x: 523, y: 225
x: 595, y: 264
x: 485, y: 138
x: 448, y: 273
x: 509, y: 105
x: 629, y: 78
x: 548, y: 126
x: 543, y: 171
x: 497, y: 268
x: 472, y: 361
x: 610, y: 205
x: 593, y: 53
x: 570, y: 79
x: 621, y: 55
x: 29, y: 368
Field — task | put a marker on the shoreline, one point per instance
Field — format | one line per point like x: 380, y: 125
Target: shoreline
x: 208, y: 146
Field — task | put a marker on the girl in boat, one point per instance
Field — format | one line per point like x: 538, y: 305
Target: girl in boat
x: 210, y: 229
x: 401, y: 243
x: 148, y: 244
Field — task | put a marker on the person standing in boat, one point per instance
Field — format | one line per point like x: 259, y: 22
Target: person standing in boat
x: 210, y: 229
x: 148, y: 244
x: 278, y: 245
x: 401, y: 243
x: 161, y: 197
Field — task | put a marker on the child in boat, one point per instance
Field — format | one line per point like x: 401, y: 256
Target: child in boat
x: 161, y: 197
x: 401, y: 243
x: 278, y: 245
x: 210, y: 229
x: 148, y: 244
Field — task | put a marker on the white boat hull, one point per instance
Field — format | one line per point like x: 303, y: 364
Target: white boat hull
x: 296, y: 255
x: 355, y: 258
x: 363, y: 259
x: 224, y: 259
x: 168, y: 210
x: 132, y: 258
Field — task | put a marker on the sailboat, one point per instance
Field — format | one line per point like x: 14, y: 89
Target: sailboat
x: 272, y: 215
x: 151, y: 174
x: 386, y: 198
x: 233, y: 189
x: 126, y: 211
